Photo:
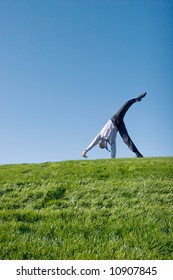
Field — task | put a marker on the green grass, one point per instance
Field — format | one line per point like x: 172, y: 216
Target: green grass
x: 102, y: 209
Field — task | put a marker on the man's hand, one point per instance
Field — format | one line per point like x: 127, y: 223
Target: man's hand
x: 84, y: 154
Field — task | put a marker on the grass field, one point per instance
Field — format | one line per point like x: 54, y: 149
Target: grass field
x: 101, y: 209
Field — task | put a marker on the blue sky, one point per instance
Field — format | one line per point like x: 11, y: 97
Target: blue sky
x: 66, y: 66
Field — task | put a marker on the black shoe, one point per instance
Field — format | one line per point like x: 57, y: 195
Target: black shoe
x: 139, y: 98
x: 138, y: 155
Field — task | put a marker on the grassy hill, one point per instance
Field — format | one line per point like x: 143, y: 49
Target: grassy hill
x: 102, y: 209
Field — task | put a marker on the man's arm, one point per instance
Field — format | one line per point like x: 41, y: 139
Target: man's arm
x: 113, y: 149
x: 91, y: 145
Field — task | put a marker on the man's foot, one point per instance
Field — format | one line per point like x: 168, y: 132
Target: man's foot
x: 138, y: 155
x: 139, y: 98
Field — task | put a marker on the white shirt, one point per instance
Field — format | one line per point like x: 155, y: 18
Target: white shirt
x: 108, y: 133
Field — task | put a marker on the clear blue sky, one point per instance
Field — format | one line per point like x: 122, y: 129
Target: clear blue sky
x: 66, y: 66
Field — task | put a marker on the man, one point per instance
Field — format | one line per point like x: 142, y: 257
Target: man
x: 116, y: 124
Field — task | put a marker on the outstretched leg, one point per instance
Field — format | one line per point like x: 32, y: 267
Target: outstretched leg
x: 127, y: 140
x: 119, y: 116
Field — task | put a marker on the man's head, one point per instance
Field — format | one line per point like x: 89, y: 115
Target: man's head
x: 102, y: 144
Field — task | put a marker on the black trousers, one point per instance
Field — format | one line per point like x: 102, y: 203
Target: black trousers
x: 118, y: 120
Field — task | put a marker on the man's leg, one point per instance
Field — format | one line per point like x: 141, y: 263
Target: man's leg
x: 127, y: 140
x: 119, y: 116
